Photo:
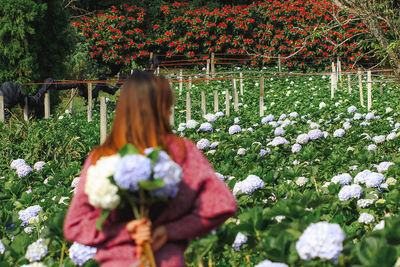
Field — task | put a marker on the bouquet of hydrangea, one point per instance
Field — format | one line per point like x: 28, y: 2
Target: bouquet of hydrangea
x: 129, y: 178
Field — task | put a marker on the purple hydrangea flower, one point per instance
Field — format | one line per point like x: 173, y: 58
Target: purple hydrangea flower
x: 23, y: 171
x: 17, y: 163
x: 28, y: 213
x: 234, y: 129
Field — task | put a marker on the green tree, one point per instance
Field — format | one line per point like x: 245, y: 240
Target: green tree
x: 34, y: 39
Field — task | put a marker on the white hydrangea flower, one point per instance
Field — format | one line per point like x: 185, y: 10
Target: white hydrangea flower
x: 391, y: 136
x: 191, y: 124
x: 279, y: 131
x: 322, y: 105
x: 379, y: 226
x: 366, y: 218
x: 361, y: 177
x: 321, y: 240
x: 101, y: 192
x: 210, y: 117
x: 36, y: 251
x: 383, y: 166
x: 280, y: 218
x: 315, y: 134
x: 38, y: 166
x: 241, y: 151
x: 214, y: 145
x: 236, y: 120
x: 234, y: 129
x: 372, y: 147
x: 346, y: 125
x: 364, y: 203
x: 34, y: 264
x: 293, y: 114
x: 379, y: 139
x: 314, y: 125
x: 301, y: 181
x: 391, y: 181
x: 273, y: 124
x: 219, y: 114
x: 248, y: 185
x: 339, y: 133
x: 374, y: 179
x: 369, y: 116
x: 343, y: 179
x: 17, y: 163
x: 351, y: 109
x: 268, y: 263
x: 302, y: 139
x: 296, y: 148
x: 2, y: 248
x: 350, y: 191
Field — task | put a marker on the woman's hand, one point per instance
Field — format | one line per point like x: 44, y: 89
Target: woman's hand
x: 160, y: 237
x: 140, y: 232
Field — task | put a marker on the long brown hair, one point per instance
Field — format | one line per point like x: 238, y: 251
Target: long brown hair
x: 141, y: 116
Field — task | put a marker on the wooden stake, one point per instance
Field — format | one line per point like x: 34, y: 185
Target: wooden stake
x: 208, y: 71
x: 2, y: 118
x: 213, y: 65
x: 26, y: 109
x: 89, y: 107
x: 103, y: 119
x: 47, y: 105
x: 235, y: 95
x: 203, y: 104
x: 158, y: 70
x: 349, y: 83
x: 262, y: 96
x: 361, y: 88
x: 180, y: 82
x: 227, y: 103
x: 188, y: 107
x: 241, y: 83
x: 369, y: 88
x: 172, y: 116
x: 280, y: 63
x: 333, y: 77
x: 190, y: 83
x: 216, y: 103
x: 381, y: 88
x: 71, y: 104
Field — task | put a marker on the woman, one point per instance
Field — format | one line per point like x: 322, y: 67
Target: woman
x: 202, y: 203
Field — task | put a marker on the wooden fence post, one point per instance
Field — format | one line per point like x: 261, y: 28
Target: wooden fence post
x: 188, y: 107
x: 2, y: 118
x: 213, y: 65
x: 280, y: 64
x: 103, y: 119
x: 203, y: 104
x: 47, y: 105
x: 89, y: 107
x: 349, y: 83
x: 227, y: 103
x: 262, y: 96
x: 241, y: 83
x: 190, y: 83
x: 180, y: 82
x: 216, y: 103
x: 381, y: 87
x: 172, y: 116
x: 361, y: 88
x: 235, y: 95
x: 26, y: 109
x: 208, y: 71
x: 71, y: 104
x: 369, y: 88
x: 333, y: 77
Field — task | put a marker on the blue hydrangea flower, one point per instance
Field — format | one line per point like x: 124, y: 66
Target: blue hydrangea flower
x: 267, y: 119
x: 205, y: 127
x: 343, y: 179
x: 248, y: 185
x: 2, y: 248
x: 132, y: 169
x: 315, y: 134
x: 268, y: 263
x: 350, y: 191
x: 239, y: 241
x: 28, y: 213
x: 203, y: 144
x: 17, y: 163
x: 170, y: 172
x: 23, y: 171
x: 80, y: 254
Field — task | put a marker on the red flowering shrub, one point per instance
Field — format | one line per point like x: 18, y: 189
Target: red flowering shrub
x: 270, y: 27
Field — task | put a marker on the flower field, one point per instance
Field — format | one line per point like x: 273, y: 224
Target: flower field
x: 316, y: 179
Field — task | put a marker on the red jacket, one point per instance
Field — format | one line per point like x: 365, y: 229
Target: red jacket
x: 202, y: 204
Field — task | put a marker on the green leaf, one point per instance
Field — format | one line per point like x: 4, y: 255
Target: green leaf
x: 128, y: 149
x: 101, y: 219
x: 153, y: 156
x: 152, y: 184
